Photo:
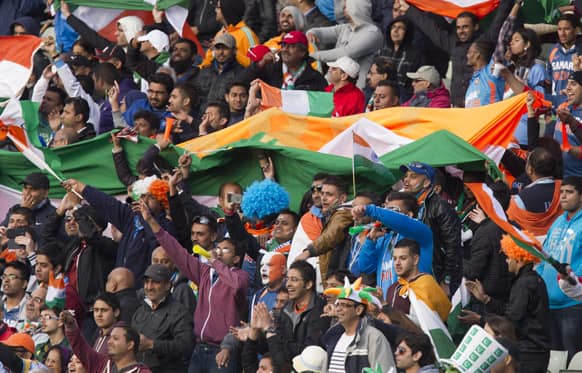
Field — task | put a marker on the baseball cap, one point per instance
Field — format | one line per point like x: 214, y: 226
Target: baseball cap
x: 22, y: 340
x: 312, y: 359
x: 294, y: 37
x: 226, y: 40
x: 110, y: 52
x: 428, y: 73
x: 576, y: 76
x: 158, y: 272
x: 419, y: 168
x: 78, y: 60
x: 158, y: 39
x: 347, y: 65
x: 36, y: 180
x: 257, y: 52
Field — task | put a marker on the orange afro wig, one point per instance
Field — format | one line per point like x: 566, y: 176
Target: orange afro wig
x: 159, y: 189
x: 514, y: 251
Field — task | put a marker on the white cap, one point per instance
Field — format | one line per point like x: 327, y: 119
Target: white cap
x: 347, y: 65
x: 428, y: 73
x: 158, y: 39
x: 312, y: 359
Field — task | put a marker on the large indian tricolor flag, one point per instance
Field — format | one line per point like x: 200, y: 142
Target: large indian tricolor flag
x: 102, y: 16
x: 452, y: 8
x: 312, y: 103
x: 16, y: 60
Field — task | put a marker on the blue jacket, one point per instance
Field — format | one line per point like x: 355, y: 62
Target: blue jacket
x: 563, y: 243
x: 535, y: 78
x: 559, y: 68
x: 484, y: 88
x: 138, y: 241
x: 144, y: 104
x: 377, y: 256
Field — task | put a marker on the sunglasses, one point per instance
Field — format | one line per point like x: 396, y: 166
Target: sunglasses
x: 316, y: 188
x: 400, y: 350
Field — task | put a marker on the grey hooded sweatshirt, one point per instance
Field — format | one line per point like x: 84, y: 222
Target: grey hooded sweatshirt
x: 359, y: 39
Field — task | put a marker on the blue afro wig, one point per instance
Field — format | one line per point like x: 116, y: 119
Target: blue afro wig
x: 264, y: 198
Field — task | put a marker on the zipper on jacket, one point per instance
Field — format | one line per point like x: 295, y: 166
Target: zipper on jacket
x: 209, y: 307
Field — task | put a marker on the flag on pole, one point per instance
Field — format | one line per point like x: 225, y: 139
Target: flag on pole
x: 452, y: 8
x: 431, y: 323
x: 16, y: 60
x: 459, y: 301
x: 312, y: 103
x: 102, y: 16
x: 12, y: 126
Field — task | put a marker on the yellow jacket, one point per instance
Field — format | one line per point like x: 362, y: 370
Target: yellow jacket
x: 245, y: 39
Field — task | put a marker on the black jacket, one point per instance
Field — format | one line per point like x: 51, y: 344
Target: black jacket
x: 95, y: 261
x: 447, y: 40
x: 128, y: 303
x: 171, y: 327
x: 261, y: 16
x: 446, y: 228
x: 86, y: 133
x: 213, y: 84
x: 487, y: 262
x: 406, y: 59
x: 528, y: 309
x: 316, y: 19
x: 295, y: 332
x: 272, y: 74
x: 203, y: 15
x: 123, y: 171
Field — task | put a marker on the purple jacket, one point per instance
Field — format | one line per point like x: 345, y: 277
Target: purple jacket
x: 220, y: 305
x: 93, y: 361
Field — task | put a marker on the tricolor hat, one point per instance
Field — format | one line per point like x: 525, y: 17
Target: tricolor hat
x: 355, y: 292
x: 156, y: 187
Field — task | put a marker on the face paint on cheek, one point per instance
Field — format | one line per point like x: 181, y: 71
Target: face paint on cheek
x: 265, y: 274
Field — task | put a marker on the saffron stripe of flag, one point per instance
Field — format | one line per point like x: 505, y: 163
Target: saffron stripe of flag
x: 16, y: 60
x: 431, y: 323
x: 495, y: 212
x: 312, y: 103
x: 452, y: 8
x: 363, y: 149
x: 55, y: 296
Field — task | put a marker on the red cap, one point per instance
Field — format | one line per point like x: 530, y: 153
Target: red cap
x: 294, y: 37
x: 257, y: 52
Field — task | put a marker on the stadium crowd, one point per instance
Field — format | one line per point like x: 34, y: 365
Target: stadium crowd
x: 159, y: 282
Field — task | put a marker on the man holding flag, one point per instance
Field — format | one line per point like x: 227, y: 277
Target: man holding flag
x: 564, y: 243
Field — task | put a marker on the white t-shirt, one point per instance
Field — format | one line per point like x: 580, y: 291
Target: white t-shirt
x: 337, y: 363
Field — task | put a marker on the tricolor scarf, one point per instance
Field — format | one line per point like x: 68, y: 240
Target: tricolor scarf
x: 289, y: 78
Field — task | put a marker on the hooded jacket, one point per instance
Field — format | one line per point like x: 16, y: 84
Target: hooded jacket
x: 406, y: 59
x: 13, y: 9
x: 360, y: 41
x: 435, y: 98
x: 31, y: 25
x: 220, y: 305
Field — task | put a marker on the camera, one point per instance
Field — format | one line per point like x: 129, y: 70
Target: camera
x: 12, y: 233
x: 234, y: 198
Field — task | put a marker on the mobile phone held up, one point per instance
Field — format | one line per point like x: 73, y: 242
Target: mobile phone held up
x: 234, y: 198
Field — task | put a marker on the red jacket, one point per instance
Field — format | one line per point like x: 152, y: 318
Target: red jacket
x: 435, y: 98
x: 348, y: 100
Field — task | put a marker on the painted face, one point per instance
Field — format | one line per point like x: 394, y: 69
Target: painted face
x: 272, y: 268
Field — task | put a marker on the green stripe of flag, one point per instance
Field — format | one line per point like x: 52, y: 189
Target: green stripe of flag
x: 320, y: 104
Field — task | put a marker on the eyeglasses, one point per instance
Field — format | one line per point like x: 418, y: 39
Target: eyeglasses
x: 37, y: 300
x: 223, y: 251
x: 10, y: 277
x: 49, y: 317
x: 316, y: 188
x: 400, y: 350
x: 202, y: 220
x: 69, y: 218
